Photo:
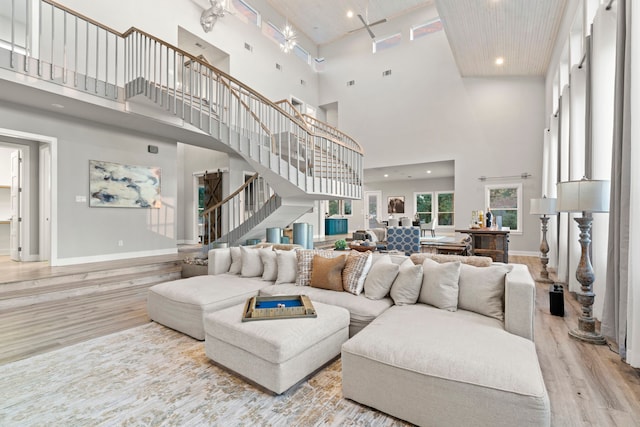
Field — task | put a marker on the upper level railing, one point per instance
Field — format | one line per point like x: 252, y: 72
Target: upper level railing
x: 70, y: 49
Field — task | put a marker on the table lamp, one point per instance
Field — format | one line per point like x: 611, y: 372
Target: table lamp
x: 543, y: 207
x: 586, y: 196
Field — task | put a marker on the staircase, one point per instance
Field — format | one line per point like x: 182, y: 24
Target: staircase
x: 299, y: 159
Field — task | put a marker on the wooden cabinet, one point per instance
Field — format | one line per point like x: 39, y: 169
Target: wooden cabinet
x: 489, y: 242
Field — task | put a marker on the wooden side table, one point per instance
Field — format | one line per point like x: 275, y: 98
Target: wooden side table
x: 489, y: 242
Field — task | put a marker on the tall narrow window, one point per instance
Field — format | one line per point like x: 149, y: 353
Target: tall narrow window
x: 444, y: 208
x: 424, y: 206
x: 505, y: 200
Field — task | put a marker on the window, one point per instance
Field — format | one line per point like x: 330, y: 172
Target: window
x: 302, y: 54
x: 247, y: 12
x: 444, y: 208
x: 424, y: 206
x: 274, y: 33
x: 340, y: 207
x: 425, y: 29
x: 505, y: 200
x: 387, y: 42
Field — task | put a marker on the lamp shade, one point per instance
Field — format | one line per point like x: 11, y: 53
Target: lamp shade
x: 583, y: 196
x: 544, y: 206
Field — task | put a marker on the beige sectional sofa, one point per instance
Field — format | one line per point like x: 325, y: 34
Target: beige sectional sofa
x: 470, y: 362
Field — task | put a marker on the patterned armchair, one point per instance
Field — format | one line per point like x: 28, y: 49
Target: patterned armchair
x: 404, y: 239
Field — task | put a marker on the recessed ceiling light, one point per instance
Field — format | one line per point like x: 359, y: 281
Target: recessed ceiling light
x: 349, y: 13
x: 386, y: 175
x: 499, y: 60
x: 428, y: 171
x: 57, y: 105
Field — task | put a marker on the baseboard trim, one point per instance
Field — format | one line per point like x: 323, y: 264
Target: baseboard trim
x: 111, y: 257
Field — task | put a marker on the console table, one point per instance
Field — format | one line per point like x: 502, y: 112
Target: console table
x: 336, y: 226
x: 489, y: 242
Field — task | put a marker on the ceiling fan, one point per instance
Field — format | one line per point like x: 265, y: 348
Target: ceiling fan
x: 367, y: 25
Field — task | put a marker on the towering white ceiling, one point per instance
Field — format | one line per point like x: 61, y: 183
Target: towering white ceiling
x: 479, y: 31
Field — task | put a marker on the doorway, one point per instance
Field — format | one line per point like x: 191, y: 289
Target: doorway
x: 27, y: 201
x: 373, y: 207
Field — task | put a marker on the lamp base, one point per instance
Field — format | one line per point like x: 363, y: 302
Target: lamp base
x: 590, y: 337
x: 544, y: 280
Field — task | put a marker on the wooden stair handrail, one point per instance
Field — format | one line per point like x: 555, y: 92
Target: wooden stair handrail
x: 232, y: 195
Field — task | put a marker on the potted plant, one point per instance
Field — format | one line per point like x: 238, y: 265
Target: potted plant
x: 340, y: 245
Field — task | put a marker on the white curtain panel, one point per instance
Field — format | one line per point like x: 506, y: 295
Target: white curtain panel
x: 577, y: 146
x: 551, y: 159
x: 602, y: 107
x: 633, y: 317
x: 563, y: 175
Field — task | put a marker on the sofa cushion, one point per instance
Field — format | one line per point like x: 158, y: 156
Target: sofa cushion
x: 236, y: 261
x: 269, y: 264
x: 287, y: 266
x: 355, y: 271
x: 180, y: 304
x: 482, y: 289
x: 305, y: 260
x: 440, y: 284
x: 450, y: 368
x: 252, y: 265
x: 380, y: 278
x: 362, y: 310
x: 326, y: 273
x: 478, y: 261
x: 406, y: 287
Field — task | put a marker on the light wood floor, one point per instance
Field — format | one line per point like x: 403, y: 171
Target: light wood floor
x: 588, y: 385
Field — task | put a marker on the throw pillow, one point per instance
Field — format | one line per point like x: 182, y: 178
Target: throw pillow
x: 478, y: 261
x: 406, y: 288
x: 287, y: 266
x: 355, y: 271
x: 440, y: 284
x: 236, y: 261
x: 380, y: 278
x: 251, y: 262
x: 269, y: 264
x: 482, y: 289
x: 305, y: 258
x: 326, y: 273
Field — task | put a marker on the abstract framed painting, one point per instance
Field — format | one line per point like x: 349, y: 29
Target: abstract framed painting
x: 115, y: 185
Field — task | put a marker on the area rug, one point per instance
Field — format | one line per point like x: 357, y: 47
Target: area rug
x: 154, y: 376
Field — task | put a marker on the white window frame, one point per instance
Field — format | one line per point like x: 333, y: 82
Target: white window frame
x: 437, y: 211
x: 341, y: 204
x: 382, y: 39
x: 246, y: 5
x: 415, y: 204
x: 519, y: 209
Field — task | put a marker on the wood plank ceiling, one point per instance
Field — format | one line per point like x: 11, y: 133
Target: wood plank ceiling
x: 522, y: 32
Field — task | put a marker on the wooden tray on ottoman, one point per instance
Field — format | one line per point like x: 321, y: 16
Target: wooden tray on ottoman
x: 278, y: 307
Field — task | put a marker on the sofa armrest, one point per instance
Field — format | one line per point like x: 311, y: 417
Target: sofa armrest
x: 519, y: 302
x: 219, y: 260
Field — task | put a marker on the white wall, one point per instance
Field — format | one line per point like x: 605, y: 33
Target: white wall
x: 425, y: 111
x: 88, y: 234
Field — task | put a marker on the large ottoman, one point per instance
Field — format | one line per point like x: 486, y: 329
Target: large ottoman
x: 277, y: 353
x: 182, y: 304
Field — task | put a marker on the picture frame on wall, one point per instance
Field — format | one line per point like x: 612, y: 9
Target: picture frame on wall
x: 115, y: 185
x: 395, y: 204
